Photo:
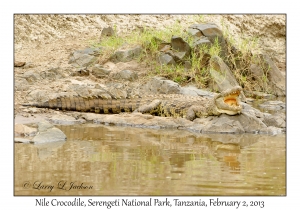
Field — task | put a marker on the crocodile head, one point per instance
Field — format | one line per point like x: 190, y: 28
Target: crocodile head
x: 228, y: 101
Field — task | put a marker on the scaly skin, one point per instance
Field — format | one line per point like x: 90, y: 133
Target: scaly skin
x: 173, y: 105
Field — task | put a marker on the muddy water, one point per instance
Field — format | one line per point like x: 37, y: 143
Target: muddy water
x: 108, y: 160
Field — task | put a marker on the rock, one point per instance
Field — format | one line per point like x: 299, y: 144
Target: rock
x: 31, y: 76
x: 51, y: 74
x: 107, y: 31
x: 23, y: 130
x: 223, y: 78
x: 180, y: 46
x: 195, y: 33
x: 223, y: 124
x: 276, y: 120
x: 165, y: 48
x: 200, y: 43
x: 252, y: 111
x: 28, y: 65
x: 249, y: 122
x: 85, y: 57
x: 193, y: 91
x: 165, y: 59
x: 65, y: 120
x: 125, y: 55
x: 272, y: 106
x: 19, y: 63
x: 90, y: 116
x: 99, y: 71
x: 44, y: 125
x: 160, y: 85
x: 126, y: 75
x: 209, y: 30
x: 81, y: 72
x: 271, y: 130
x: 48, y: 133
x: 21, y: 84
x: 81, y: 90
x: 276, y: 79
x: 38, y: 96
x: 259, y: 95
x: 22, y: 140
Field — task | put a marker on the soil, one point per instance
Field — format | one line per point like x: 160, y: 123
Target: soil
x: 46, y: 41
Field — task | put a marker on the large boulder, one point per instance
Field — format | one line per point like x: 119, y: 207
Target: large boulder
x: 223, y: 78
x: 276, y: 79
x: 211, y: 31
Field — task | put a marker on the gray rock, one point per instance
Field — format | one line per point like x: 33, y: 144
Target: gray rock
x: 44, y: 125
x: 100, y: 71
x: 65, y: 120
x: 38, y: 96
x: 85, y: 57
x: 126, y: 75
x: 249, y: 122
x: 193, y: 91
x: 51, y: 74
x: 23, y: 130
x: 272, y: 106
x: 200, y: 43
x: 252, y: 111
x: 21, y: 84
x: 50, y: 135
x: 107, y: 31
x: 31, y: 76
x: 213, y: 33
x: 28, y: 65
x: 195, y: 33
x: 179, y: 45
x: 276, y: 120
x: 223, y: 124
x: 259, y: 95
x: 125, y: 55
x: 223, y: 78
x: 276, y: 79
x: 165, y: 59
x: 208, y: 29
x: 160, y: 85
x: 81, y: 72
x: 271, y: 130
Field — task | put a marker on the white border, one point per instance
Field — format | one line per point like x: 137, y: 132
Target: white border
x: 8, y: 201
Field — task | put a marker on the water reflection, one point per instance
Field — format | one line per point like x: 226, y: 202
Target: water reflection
x: 134, y: 161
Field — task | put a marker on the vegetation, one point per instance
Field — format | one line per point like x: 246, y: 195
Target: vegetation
x: 198, y: 73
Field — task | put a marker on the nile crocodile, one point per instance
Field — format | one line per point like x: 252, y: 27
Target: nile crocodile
x: 174, y: 105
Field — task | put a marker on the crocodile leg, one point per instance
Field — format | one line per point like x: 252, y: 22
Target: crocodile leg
x: 149, y: 108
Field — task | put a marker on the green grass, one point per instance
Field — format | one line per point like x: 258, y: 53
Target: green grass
x: 150, y: 40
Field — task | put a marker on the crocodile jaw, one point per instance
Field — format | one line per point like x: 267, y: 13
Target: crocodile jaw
x: 228, y: 102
